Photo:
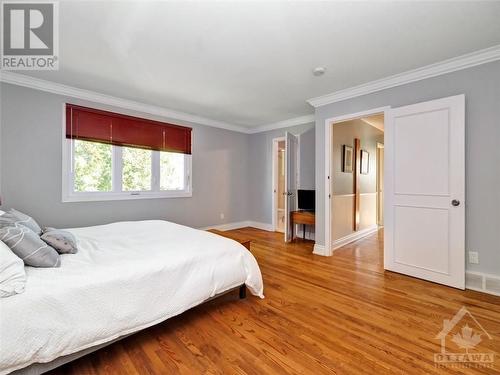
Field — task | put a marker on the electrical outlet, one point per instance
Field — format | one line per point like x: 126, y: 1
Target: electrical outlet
x: 222, y: 216
x: 473, y: 257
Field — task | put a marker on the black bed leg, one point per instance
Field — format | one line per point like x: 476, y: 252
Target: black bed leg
x: 243, y: 291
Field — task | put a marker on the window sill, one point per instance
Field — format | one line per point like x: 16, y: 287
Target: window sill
x: 100, y: 197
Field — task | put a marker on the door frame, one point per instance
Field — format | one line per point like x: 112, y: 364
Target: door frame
x: 328, y: 165
x: 274, y: 190
x: 295, y: 177
x: 380, y: 146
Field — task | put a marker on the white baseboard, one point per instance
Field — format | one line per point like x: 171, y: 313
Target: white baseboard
x: 259, y: 225
x: 227, y: 226
x: 353, y: 237
x: 320, y: 250
x: 241, y: 224
x: 482, y: 282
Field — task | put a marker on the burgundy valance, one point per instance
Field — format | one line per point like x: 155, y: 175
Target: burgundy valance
x: 90, y: 124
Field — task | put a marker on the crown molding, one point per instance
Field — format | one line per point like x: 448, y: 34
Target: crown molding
x: 283, y: 124
x: 446, y: 66
x: 74, y: 92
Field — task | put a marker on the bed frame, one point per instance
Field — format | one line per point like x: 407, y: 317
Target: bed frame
x: 40, y: 368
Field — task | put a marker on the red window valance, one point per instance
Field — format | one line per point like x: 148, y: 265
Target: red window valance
x: 90, y: 124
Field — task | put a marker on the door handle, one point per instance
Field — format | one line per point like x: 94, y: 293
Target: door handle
x: 455, y: 203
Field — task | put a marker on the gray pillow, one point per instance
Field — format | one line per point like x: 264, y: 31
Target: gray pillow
x: 16, y: 218
x: 8, y: 220
x: 64, y: 242
x: 28, y: 246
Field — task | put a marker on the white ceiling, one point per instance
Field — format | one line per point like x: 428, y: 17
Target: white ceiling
x: 249, y: 63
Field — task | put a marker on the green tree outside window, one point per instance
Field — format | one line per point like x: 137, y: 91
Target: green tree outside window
x: 93, y: 166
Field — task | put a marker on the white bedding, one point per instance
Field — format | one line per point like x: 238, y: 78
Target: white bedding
x: 126, y: 276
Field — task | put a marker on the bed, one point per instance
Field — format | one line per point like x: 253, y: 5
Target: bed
x: 126, y: 276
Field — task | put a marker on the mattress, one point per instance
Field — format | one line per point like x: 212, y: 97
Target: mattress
x: 126, y: 276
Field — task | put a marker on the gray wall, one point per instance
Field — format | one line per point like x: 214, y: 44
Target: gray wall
x: 31, y: 151
x: 232, y: 172
x: 481, y: 86
x: 307, y: 168
x: 260, y: 171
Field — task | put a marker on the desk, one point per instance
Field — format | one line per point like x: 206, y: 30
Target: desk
x: 302, y: 217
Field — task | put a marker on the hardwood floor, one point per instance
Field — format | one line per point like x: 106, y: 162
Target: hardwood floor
x: 335, y: 315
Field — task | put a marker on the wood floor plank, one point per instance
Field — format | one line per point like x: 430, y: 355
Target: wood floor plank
x: 321, y: 315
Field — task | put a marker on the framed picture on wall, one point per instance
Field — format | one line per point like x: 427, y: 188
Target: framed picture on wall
x: 347, y: 159
x: 365, y: 162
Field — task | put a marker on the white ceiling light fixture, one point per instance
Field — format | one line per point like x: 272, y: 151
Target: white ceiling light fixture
x: 319, y: 71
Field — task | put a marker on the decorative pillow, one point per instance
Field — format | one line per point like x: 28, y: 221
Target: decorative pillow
x: 7, y: 220
x: 27, y: 221
x: 64, y: 242
x: 28, y: 246
x: 16, y: 218
x: 12, y: 274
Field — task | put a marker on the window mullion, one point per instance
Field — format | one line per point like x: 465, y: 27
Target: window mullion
x: 188, y: 182
x: 117, y: 166
x: 71, y: 177
x: 155, y: 171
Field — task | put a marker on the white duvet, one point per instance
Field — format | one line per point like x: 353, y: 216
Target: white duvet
x: 126, y: 276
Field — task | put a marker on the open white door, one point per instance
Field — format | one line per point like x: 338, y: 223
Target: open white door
x: 425, y: 191
x: 291, y: 144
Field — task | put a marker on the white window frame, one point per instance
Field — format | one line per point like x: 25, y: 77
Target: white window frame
x: 69, y: 194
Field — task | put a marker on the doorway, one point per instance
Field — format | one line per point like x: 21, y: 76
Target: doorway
x: 279, y: 194
x: 285, y: 176
x: 356, y: 188
x: 423, y: 189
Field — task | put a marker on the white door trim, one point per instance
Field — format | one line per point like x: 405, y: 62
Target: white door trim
x: 298, y: 168
x: 274, y: 202
x: 328, y: 166
x: 379, y: 182
x: 291, y: 147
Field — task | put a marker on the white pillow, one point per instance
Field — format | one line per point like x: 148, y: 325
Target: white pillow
x: 12, y: 274
x: 1, y: 212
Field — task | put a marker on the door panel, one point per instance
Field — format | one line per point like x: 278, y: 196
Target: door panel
x: 411, y: 248
x: 414, y: 135
x: 424, y: 173
x: 291, y: 144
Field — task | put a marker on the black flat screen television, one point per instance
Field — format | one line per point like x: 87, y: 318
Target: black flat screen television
x: 306, y: 200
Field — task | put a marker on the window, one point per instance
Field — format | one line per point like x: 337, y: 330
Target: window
x: 95, y: 170
x: 136, y: 169
x: 171, y: 171
x: 93, y: 166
